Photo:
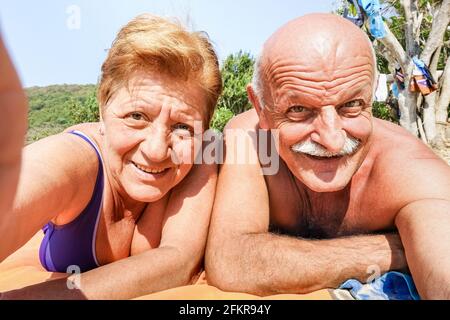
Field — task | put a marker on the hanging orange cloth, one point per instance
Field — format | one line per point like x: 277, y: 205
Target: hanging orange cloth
x: 422, y: 81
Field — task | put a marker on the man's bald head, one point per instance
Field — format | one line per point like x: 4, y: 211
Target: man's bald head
x: 318, y: 40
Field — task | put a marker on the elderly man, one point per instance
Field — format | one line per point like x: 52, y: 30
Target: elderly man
x: 353, y: 195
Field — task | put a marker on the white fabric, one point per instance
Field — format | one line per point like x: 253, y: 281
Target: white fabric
x: 381, y: 94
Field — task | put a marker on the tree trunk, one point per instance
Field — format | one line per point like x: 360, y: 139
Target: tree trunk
x: 429, y: 117
x: 429, y: 103
x: 408, y: 107
x: 443, y: 105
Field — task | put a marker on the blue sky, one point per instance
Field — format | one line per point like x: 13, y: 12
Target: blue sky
x: 49, y: 45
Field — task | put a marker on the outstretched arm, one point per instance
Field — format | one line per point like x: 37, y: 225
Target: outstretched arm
x: 243, y: 256
x: 174, y: 263
x: 424, y: 222
x: 13, y: 126
x: 424, y: 227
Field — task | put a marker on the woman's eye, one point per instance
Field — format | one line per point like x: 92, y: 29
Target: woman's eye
x: 182, y: 128
x: 136, y: 119
x: 136, y: 116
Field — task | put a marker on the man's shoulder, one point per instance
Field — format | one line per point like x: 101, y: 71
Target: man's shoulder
x: 406, y: 166
x: 395, y: 144
x: 248, y: 120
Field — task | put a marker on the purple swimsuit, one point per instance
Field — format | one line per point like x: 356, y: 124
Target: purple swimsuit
x: 73, y: 245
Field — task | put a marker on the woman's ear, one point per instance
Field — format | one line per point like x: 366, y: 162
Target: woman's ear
x: 101, y: 129
x: 256, y: 102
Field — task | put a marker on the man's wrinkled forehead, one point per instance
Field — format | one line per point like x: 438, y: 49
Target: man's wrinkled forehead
x: 317, y: 41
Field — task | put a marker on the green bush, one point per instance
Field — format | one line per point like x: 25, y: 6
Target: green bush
x: 54, y: 108
x: 384, y: 111
x: 237, y: 72
x: 221, y: 118
x: 85, y: 111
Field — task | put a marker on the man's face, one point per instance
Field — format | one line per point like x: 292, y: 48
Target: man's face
x: 322, y: 110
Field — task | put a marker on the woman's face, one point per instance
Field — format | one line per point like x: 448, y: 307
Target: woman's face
x: 149, y: 134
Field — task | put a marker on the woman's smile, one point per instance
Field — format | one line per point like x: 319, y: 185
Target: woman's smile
x: 149, y: 173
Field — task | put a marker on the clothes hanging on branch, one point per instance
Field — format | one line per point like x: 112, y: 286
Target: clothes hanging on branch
x: 399, y: 78
x: 372, y: 9
x: 358, y: 20
x: 422, y: 81
x: 381, y: 94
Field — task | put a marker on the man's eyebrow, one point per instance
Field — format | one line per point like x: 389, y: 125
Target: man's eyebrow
x: 357, y: 94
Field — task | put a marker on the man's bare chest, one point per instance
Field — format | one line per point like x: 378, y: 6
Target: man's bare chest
x: 355, y: 210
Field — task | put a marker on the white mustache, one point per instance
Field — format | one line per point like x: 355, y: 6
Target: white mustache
x: 314, y: 149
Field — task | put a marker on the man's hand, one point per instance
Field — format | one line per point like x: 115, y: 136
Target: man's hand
x: 13, y: 126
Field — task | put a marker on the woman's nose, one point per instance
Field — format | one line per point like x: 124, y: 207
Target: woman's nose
x: 156, y: 146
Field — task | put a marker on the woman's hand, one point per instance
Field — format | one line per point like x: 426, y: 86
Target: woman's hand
x: 13, y: 126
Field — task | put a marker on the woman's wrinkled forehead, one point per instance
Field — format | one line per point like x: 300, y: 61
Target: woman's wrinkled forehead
x: 143, y: 88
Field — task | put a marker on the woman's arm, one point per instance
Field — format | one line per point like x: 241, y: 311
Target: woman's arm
x: 57, y: 178
x: 174, y: 263
x: 13, y: 126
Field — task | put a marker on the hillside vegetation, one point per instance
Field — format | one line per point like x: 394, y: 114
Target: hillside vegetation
x: 54, y: 108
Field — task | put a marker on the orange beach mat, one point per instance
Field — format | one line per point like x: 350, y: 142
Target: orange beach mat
x: 24, y: 269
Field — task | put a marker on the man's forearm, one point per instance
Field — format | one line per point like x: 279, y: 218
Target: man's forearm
x: 153, y: 271
x: 266, y: 264
x: 424, y: 227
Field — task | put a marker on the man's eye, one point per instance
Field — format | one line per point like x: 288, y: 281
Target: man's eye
x: 297, y: 109
x: 352, y: 108
x: 298, y: 113
x: 355, y: 103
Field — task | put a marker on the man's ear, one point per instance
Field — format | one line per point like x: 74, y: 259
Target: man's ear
x: 256, y: 102
x: 254, y: 99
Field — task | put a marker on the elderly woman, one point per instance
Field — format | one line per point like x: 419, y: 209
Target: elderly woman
x: 121, y: 200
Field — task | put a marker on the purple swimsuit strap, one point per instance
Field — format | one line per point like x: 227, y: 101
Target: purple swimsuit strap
x: 73, y: 245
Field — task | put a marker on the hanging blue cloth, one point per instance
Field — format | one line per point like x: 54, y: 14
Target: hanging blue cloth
x: 424, y: 69
x: 358, y: 20
x: 395, y: 91
x: 373, y: 10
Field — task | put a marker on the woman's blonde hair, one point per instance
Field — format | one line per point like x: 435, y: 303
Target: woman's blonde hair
x: 152, y: 44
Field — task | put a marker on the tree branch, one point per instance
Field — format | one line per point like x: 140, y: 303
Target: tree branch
x: 434, y: 62
x: 410, y: 6
x: 440, y: 22
x: 394, y: 47
x: 444, y: 96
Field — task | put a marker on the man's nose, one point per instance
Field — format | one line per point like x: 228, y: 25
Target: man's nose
x: 328, y: 130
x: 156, y: 146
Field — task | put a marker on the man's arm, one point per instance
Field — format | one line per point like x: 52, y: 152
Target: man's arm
x: 176, y: 262
x: 421, y: 181
x: 13, y: 126
x: 424, y: 227
x: 243, y: 256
